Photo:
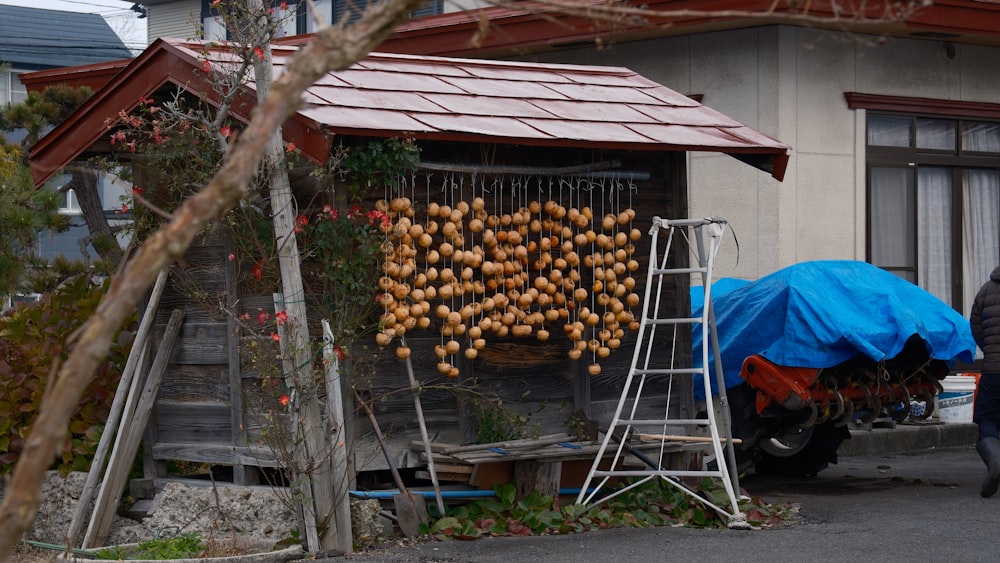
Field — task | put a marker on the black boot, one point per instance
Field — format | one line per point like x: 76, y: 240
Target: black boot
x: 989, y: 450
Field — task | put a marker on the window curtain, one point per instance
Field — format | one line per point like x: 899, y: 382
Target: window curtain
x: 892, y: 216
x: 934, y: 244
x: 981, y: 232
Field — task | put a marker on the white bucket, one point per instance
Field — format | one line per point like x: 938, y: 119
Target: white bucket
x: 955, y: 402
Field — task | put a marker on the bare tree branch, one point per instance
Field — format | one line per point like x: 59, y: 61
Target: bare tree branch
x: 333, y: 48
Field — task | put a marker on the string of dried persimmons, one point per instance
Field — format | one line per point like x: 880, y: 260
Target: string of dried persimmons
x: 504, y: 263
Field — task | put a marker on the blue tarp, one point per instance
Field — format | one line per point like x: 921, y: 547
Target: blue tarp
x: 820, y: 314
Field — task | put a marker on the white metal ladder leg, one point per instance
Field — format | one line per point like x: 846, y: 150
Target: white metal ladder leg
x: 622, y: 427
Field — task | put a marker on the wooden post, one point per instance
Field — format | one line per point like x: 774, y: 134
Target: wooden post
x: 531, y: 475
x: 312, y: 449
x: 127, y: 441
x: 344, y: 540
x: 242, y: 474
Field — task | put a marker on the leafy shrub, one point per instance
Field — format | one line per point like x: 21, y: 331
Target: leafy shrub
x: 185, y: 546
x: 33, y: 341
x: 654, y: 503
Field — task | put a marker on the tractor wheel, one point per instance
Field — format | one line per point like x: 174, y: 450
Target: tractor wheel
x: 800, y: 455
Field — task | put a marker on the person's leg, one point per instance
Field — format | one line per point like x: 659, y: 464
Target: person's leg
x: 986, y: 413
x: 988, y: 429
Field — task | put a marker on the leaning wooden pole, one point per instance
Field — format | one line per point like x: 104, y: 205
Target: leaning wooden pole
x: 115, y: 416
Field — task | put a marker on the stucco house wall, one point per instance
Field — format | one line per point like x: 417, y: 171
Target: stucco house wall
x: 789, y: 82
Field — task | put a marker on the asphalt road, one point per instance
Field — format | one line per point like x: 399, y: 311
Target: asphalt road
x: 915, y: 506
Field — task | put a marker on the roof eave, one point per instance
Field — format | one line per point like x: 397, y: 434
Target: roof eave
x: 773, y: 160
x: 160, y: 64
x: 520, y: 31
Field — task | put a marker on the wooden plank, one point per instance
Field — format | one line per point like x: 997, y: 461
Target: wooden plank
x: 202, y: 421
x: 465, y: 468
x: 194, y: 383
x: 201, y: 452
x: 511, y: 444
x: 443, y: 476
x: 125, y: 386
x: 127, y: 443
x: 202, y: 343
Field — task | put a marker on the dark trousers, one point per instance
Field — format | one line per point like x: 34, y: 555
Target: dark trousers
x: 987, y: 408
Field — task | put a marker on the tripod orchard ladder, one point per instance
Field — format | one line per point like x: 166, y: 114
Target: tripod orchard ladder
x: 641, y: 371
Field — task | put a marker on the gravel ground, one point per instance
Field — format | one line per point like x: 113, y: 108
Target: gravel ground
x: 249, y: 515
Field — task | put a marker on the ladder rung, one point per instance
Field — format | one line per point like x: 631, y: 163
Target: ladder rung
x: 676, y: 438
x: 677, y: 321
x: 677, y: 271
x: 670, y: 371
x: 658, y: 473
x: 662, y: 422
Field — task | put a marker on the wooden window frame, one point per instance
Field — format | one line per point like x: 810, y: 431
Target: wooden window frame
x: 912, y: 157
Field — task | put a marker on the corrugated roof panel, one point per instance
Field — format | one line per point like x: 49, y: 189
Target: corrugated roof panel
x: 504, y: 88
x: 375, y: 99
x: 688, y: 136
x: 488, y: 105
x: 517, y: 74
x: 610, y: 77
x: 751, y: 135
x: 668, y: 96
x: 330, y: 79
x: 481, y: 125
x: 598, y: 93
x: 377, y: 62
x: 590, y: 131
x: 312, y: 99
x: 593, y: 111
x: 396, y: 81
x: 362, y: 118
x: 697, y: 115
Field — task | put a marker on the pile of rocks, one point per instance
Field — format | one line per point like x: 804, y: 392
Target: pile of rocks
x: 256, y: 515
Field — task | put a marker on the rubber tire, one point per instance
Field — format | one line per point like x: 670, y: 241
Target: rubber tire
x: 814, y: 457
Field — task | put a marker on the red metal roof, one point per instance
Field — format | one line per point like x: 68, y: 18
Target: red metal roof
x: 529, y: 27
x: 441, y: 99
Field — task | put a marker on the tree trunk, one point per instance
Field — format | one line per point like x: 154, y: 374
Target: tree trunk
x: 311, y: 447
x: 83, y: 182
x: 331, y: 49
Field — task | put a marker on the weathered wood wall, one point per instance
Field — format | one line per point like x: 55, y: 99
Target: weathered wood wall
x: 207, y: 408
x: 531, y: 377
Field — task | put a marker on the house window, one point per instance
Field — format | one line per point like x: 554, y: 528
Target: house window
x: 934, y: 201
x: 11, y: 89
x: 296, y: 19
x: 69, y: 205
x: 354, y: 8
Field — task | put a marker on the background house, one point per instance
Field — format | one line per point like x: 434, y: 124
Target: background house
x: 31, y: 40
x: 894, y: 123
x: 187, y: 19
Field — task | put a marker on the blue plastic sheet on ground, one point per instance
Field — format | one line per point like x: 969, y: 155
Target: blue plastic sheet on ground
x: 819, y: 314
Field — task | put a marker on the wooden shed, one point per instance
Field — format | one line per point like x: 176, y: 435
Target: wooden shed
x: 514, y: 135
